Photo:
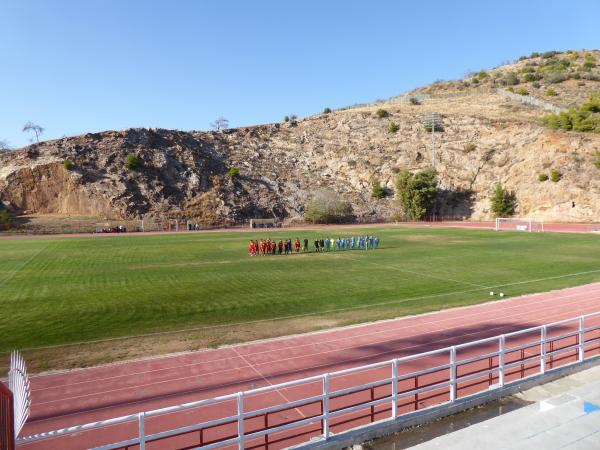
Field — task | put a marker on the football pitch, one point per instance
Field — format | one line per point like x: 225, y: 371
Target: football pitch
x: 57, y: 291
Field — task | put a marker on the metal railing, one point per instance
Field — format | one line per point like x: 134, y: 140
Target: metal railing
x: 315, y: 407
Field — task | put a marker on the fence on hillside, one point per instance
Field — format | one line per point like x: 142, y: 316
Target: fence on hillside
x: 278, y: 416
x: 531, y: 101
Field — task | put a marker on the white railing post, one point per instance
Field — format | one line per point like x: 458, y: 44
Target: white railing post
x: 501, y: 350
x: 240, y: 414
x: 394, y: 388
x: 581, y: 338
x: 326, y: 406
x: 543, y: 336
x: 142, y: 430
x: 452, y: 373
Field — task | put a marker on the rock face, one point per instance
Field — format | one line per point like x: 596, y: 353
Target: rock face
x: 487, y: 138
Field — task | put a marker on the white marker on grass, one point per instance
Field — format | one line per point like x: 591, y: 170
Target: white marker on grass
x: 501, y: 294
x: 491, y: 292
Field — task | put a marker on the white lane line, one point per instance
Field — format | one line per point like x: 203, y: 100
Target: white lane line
x: 451, y: 338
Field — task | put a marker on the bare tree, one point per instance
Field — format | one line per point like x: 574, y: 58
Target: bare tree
x: 326, y: 206
x: 220, y: 124
x: 30, y: 126
x: 4, y: 146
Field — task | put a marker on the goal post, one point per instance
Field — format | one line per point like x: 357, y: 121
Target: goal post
x: 519, y: 224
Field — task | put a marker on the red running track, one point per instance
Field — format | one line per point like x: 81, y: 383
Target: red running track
x: 553, y: 227
x: 99, y: 393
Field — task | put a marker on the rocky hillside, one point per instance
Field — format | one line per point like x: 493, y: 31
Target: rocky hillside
x: 492, y: 132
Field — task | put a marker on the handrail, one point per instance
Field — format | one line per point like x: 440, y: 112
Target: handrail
x: 393, y: 392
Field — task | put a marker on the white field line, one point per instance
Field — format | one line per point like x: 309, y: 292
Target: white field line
x: 424, y: 275
x: 352, y: 337
x: 267, y: 381
x: 546, y: 318
x: 316, y: 313
x: 12, y: 274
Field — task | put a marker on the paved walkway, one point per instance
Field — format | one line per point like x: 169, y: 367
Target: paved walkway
x: 565, y: 415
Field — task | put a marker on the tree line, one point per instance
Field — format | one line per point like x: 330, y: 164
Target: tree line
x: 416, y: 196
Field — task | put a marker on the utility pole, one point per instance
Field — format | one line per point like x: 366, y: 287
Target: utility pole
x: 433, y: 121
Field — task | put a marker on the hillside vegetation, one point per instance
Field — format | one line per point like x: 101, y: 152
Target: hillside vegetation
x: 508, y: 125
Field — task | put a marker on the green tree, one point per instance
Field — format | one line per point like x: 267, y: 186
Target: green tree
x: 377, y: 191
x: 326, y: 110
x: 5, y: 218
x: 416, y: 193
x: 503, y: 202
x: 132, y: 162
x: 234, y: 172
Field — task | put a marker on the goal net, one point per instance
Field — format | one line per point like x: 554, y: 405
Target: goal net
x: 519, y: 224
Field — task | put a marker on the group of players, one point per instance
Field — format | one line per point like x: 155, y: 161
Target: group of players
x: 271, y: 247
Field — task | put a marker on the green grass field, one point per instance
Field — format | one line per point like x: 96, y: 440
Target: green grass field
x: 62, y: 290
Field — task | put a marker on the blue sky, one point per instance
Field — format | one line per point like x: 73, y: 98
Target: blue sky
x: 91, y: 65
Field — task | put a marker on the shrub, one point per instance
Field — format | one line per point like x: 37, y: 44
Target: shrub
x: 586, y: 118
x: 543, y: 177
x: 597, y: 163
x: 590, y: 58
x: 132, y: 162
x: 482, y: 74
x: 381, y: 113
x: 556, y: 76
x: 326, y: 110
x: 532, y: 77
x: 67, y: 164
x: 550, y: 92
x: 510, y: 79
x: 393, y: 127
x: 502, y: 202
x: 286, y: 119
x: 414, y: 101
x: 549, y: 54
x: 470, y: 147
x: 536, y: 84
x: 555, y: 175
x: 511, y: 89
x: 234, y: 172
x: 522, y: 91
x: 5, y: 218
x: 377, y: 190
x: 589, y: 65
x: 416, y: 193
